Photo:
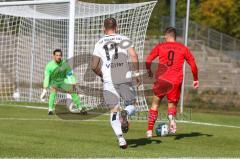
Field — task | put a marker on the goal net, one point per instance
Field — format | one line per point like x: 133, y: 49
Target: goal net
x: 29, y: 34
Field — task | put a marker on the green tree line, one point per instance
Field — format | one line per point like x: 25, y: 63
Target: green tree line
x: 222, y: 15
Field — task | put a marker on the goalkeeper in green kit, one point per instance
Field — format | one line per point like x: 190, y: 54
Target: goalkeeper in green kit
x: 59, y: 76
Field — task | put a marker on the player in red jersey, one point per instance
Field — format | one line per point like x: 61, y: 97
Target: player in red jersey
x: 169, y: 76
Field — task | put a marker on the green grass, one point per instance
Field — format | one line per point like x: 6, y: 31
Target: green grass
x: 31, y: 133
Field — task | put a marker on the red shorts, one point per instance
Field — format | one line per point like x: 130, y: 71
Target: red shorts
x: 163, y: 88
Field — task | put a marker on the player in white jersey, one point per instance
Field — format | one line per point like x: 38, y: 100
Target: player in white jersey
x: 110, y: 62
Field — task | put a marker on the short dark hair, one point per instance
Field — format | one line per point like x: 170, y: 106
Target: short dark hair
x: 171, y: 31
x: 57, y: 50
x: 110, y: 23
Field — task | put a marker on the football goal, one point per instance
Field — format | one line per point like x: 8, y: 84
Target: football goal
x: 31, y: 30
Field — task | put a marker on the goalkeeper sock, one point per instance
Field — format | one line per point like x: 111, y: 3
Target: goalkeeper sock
x: 52, y: 98
x: 130, y: 109
x: 115, y: 123
x: 76, y: 100
x: 152, y: 117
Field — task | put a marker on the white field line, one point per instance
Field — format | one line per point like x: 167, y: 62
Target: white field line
x: 33, y: 107
x: 43, y: 119
x: 208, y: 124
x: 22, y: 106
x: 36, y: 107
x: 96, y: 120
x: 129, y: 158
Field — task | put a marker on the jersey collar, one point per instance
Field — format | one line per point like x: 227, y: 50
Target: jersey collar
x: 107, y: 35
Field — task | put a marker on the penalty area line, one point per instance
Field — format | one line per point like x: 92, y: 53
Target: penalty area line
x: 39, y: 108
x: 138, y: 121
x: 24, y: 106
x: 41, y: 119
x: 207, y: 124
x: 91, y: 120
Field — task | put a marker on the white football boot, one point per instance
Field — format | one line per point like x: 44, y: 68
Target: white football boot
x: 149, y: 134
x: 122, y: 143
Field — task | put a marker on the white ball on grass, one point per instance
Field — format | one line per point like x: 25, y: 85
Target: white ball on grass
x: 16, y: 95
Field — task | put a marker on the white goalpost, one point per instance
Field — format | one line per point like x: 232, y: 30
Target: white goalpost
x: 184, y: 65
x: 31, y: 30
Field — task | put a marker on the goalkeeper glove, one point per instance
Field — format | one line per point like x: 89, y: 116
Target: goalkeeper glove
x: 71, y: 78
x: 43, y: 95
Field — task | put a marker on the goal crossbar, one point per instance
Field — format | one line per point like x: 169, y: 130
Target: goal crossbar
x: 19, y: 3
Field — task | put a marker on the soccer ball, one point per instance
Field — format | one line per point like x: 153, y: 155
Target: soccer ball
x: 73, y: 108
x: 16, y: 95
x: 162, y: 129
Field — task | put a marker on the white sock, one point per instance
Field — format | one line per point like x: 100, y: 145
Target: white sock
x: 130, y: 109
x: 115, y: 123
x: 171, y: 117
x: 50, y: 109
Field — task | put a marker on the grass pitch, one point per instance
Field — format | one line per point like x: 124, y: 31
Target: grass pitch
x: 28, y: 132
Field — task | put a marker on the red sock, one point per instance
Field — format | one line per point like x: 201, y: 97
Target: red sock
x: 172, y: 111
x: 152, y: 117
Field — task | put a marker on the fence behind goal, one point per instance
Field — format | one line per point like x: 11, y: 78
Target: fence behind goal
x: 29, y: 34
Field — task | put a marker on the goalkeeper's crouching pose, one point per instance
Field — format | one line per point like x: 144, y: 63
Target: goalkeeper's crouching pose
x: 58, y: 76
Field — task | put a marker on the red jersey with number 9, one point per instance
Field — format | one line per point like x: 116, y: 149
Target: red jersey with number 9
x: 172, y: 55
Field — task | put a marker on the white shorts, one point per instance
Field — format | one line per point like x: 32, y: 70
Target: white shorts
x: 113, y: 92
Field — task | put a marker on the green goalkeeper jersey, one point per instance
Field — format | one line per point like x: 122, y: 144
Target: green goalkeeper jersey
x: 58, y: 73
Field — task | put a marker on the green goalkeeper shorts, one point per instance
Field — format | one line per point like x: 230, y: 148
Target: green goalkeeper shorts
x: 61, y: 86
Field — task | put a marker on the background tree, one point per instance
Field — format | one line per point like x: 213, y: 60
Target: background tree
x: 222, y: 15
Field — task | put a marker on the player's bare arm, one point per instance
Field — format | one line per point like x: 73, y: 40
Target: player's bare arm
x: 134, y: 58
x: 95, y: 65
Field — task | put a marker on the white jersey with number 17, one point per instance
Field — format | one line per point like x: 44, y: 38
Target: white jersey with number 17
x: 113, y: 51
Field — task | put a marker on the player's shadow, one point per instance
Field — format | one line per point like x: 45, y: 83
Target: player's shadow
x: 192, y: 134
x: 141, y: 142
